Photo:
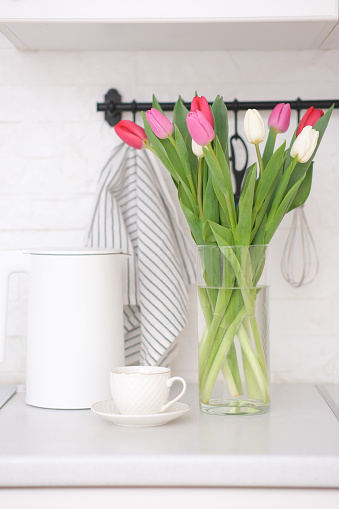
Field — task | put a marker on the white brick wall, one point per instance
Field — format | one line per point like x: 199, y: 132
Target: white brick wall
x: 53, y: 145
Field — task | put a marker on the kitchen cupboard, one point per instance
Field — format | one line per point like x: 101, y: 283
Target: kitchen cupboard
x: 176, y: 25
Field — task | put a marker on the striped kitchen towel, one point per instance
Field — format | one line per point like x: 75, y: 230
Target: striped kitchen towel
x: 133, y: 210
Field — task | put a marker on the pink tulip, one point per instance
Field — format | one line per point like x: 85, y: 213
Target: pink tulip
x: 132, y: 134
x: 201, y: 104
x: 199, y: 128
x: 160, y: 125
x: 280, y: 117
x: 311, y: 116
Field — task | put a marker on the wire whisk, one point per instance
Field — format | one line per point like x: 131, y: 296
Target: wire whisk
x: 299, y: 262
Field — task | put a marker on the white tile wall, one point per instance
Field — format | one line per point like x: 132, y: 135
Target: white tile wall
x: 53, y: 145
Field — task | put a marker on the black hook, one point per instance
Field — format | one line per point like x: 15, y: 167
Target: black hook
x: 236, y: 109
x: 238, y: 174
x: 134, y: 109
x: 112, y: 99
x: 298, y: 106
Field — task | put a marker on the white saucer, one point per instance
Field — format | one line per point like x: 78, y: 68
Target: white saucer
x: 107, y: 410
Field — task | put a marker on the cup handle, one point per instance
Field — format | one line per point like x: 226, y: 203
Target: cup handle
x: 170, y: 382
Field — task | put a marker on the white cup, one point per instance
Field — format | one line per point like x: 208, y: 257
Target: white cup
x: 142, y: 390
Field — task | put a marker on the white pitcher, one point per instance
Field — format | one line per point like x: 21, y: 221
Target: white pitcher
x: 75, y: 323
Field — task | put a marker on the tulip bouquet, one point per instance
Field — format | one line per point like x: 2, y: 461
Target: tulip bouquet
x: 231, y: 237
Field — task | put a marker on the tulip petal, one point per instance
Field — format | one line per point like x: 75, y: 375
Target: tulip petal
x: 197, y: 149
x: 160, y: 124
x: 199, y: 128
x: 131, y: 134
x: 305, y: 144
x: 280, y: 117
x: 311, y: 117
x: 254, y: 127
x: 201, y: 104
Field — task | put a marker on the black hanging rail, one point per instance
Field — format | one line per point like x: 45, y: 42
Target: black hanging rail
x: 113, y: 107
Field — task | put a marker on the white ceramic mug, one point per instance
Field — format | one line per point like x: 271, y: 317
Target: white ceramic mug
x: 142, y: 390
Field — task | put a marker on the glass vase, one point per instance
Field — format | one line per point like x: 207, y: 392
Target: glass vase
x: 233, y: 329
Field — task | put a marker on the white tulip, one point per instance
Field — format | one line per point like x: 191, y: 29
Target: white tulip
x: 254, y: 127
x: 197, y: 149
x: 305, y: 144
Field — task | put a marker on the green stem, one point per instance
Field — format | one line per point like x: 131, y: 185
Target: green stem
x: 253, y: 390
x: 202, y: 341
x: 261, y: 166
x: 213, y: 329
x: 199, y: 194
x: 188, y: 174
x: 229, y: 379
x: 232, y: 219
x: 232, y: 360
x: 218, y: 314
x: 221, y: 355
x: 234, y: 304
x: 172, y: 140
x: 280, y: 192
x: 205, y: 305
x: 254, y: 363
x: 259, y: 347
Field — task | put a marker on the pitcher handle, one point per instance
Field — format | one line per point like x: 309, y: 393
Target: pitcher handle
x: 10, y: 262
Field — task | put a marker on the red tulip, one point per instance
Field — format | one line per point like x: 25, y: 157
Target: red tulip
x: 311, y: 117
x: 201, y: 104
x: 199, y: 128
x: 132, y: 134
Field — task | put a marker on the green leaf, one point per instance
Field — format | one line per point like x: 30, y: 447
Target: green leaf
x: 207, y: 233
x: 243, y: 229
x: 225, y: 168
x: 280, y: 191
x: 210, y: 260
x: 223, y: 218
x: 210, y: 203
x: 223, y: 236
x: 220, y: 116
x: 175, y: 160
x: 303, y: 191
x: 268, y: 178
x: 180, y: 113
x: 269, y: 147
x: 259, y: 237
x: 179, y: 119
x: 156, y: 105
x: 186, y: 197
x: 220, y: 186
x: 281, y: 211
x: 195, y: 224
x: 183, y: 155
x: 260, y: 217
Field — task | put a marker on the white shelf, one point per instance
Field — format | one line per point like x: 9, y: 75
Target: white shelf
x: 294, y: 446
x: 176, y: 25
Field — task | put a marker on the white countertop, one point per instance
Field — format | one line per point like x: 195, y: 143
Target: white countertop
x: 295, y: 445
